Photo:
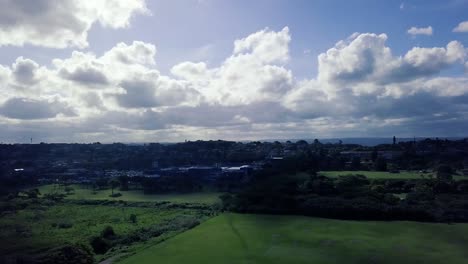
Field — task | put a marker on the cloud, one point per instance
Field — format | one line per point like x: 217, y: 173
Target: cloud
x: 354, y: 58
x: 191, y: 71
x: 462, y: 27
x: 422, y: 62
x: 85, y: 76
x: 420, y: 31
x: 22, y: 108
x: 123, y: 61
x: 267, y: 46
x: 254, y: 72
x: 61, y: 24
x: 153, y: 90
x: 137, y: 53
x: 361, y: 88
x: 92, y: 99
x: 364, y: 64
x: 25, y: 71
x: 138, y: 94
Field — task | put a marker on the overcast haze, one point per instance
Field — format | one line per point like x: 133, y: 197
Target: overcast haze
x: 139, y: 71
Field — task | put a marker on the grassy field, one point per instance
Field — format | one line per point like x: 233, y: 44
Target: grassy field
x: 81, y: 192
x: 384, y: 174
x: 235, y: 238
x: 39, y: 226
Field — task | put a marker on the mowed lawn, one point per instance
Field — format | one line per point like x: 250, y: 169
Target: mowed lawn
x: 236, y: 238
x: 385, y: 174
x: 81, y: 192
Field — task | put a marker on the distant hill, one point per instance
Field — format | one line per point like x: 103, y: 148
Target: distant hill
x: 370, y: 141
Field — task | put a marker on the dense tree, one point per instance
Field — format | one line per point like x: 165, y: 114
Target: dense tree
x: 380, y: 164
x: 356, y: 163
x: 114, y: 183
x: 33, y: 193
x: 444, y: 173
x: 123, y: 182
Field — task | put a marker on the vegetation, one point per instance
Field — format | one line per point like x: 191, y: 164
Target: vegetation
x: 244, y: 238
x: 126, y: 203
x: 388, y: 175
x: 87, y: 193
x: 29, y: 226
x: 352, y: 196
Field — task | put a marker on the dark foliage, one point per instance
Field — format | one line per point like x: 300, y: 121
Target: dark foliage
x: 100, y: 245
x: 108, y: 232
x: 352, y: 197
x: 67, y: 254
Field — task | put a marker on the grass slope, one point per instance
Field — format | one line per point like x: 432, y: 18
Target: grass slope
x: 235, y: 238
x: 81, y: 192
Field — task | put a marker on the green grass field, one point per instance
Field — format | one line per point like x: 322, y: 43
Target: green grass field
x: 235, y: 238
x: 385, y: 175
x: 37, y: 226
x: 81, y: 192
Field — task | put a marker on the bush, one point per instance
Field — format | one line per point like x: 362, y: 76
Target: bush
x: 108, y: 232
x: 54, y: 196
x: 67, y: 254
x: 133, y: 218
x: 69, y: 190
x: 99, y: 245
x: 65, y: 224
x: 183, y: 222
x: 115, y: 195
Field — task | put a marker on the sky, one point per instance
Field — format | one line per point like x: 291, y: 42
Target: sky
x: 175, y: 70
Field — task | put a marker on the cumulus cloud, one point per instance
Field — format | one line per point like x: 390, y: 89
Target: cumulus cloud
x: 355, y: 59
x: 254, y: 72
x: 265, y: 45
x: 191, y: 71
x: 60, y: 24
x: 360, y: 88
x: 462, y: 27
x: 138, y: 94
x: 22, y: 108
x: 362, y: 85
x: 420, y: 31
x: 92, y: 99
x: 91, y: 76
x: 423, y: 62
x: 364, y: 64
x: 137, y: 53
x: 25, y: 70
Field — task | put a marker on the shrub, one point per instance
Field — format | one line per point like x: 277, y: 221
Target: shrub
x: 54, y: 196
x: 64, y: 224
x: 69, y: 254
x: 133, y: 218
x: 99, y: 245
x: 108, y: 232
x: 69, y: 190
